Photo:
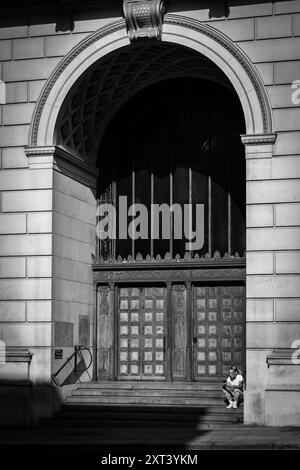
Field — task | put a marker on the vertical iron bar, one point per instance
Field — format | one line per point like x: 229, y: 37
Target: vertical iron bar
x: 190, y: 197
x: 229, y: 186
x: 114, y: 203
x: 152, y: 202
x: 209, y: 188
x: 171, y: 212
x: 133, y: 192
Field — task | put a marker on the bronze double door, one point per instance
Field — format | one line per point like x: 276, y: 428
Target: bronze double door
x: 142, y: 326
x: 179, y: 333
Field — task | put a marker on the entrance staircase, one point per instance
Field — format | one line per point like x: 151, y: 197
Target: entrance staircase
x: 196, y: 405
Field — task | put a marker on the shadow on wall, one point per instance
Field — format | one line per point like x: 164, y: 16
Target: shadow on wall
x: 23, y: 404
x: 66, y: 13
x: 63, y: 16
x: 217, y: 8
x: 93, y: 431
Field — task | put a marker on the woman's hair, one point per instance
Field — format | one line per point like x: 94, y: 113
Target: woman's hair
x: 236, y: 369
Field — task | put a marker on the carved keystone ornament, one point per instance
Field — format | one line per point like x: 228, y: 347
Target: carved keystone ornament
x: 144, y: 18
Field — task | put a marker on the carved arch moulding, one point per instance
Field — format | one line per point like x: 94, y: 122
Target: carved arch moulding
x: 177, y: 30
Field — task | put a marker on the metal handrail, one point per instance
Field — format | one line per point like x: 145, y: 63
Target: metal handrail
x: 75, y: 354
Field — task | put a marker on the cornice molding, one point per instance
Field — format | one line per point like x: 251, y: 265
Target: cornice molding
x: 281, y: 357
x: 172, y: 265
x: 17, y: 354
x: 258, y: 139
x: 170, y: 276
x: 64, y: 154
x: 40, y: 151
x: 167, y: 262
x: 63, y: 160
x: 144, y: 18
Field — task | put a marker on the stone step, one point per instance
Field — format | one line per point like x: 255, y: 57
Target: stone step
x: 230, y: 415
x: 98, y: 411
x: 199, y: 415
x: 125, y: 385
x: 93, y: 432
x: 74, y: 412
x: 150, y: 403
x: 197, y: 394
x: 122, y: 424
x: 83, y: 417
x: 146, y: 401
x: 113, y: 420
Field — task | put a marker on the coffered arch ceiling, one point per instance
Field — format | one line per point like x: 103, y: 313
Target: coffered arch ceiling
x: 111, y: 81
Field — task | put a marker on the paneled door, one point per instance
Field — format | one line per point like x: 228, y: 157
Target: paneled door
x: 219, y: 331
x: 142, y: 333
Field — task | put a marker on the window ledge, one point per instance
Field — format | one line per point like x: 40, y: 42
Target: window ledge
x: 281, y: 357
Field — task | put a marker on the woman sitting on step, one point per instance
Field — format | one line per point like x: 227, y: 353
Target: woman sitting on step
x: 233, y: 388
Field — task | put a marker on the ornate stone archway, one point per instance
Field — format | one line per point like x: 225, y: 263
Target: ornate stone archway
x: 177, y: 29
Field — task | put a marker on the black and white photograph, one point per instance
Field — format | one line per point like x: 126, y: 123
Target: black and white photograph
x: 149, y: 231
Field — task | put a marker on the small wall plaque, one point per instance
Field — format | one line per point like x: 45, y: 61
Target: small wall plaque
x: 58, y: 354
x: 64, y: 335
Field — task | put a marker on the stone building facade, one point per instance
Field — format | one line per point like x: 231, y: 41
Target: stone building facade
x: 52, y: 279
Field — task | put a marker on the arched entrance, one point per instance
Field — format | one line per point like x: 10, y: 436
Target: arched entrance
x: 188, y: 323
x: 162, y: 123
x: 187, y: 281
x: 195, y: 35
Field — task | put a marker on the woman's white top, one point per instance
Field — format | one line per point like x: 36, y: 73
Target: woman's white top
x: 235, y: 382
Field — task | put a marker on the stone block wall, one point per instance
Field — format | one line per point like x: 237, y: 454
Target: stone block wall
x: 26, y: 264
x: 74, y: 238
x: 46, y: 231
x: 46, y: 218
